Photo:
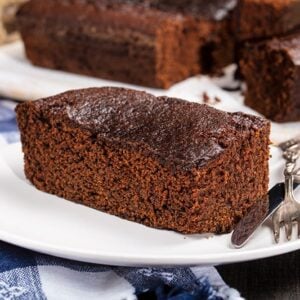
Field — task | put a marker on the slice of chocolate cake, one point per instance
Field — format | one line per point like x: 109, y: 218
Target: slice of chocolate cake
x: 145, y: 42
x: 272, y: 72
x: 260, y: 19
x: 163, y: 162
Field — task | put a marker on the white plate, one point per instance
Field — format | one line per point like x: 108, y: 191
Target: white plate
x: 21, y: 80
x: 48, y: 224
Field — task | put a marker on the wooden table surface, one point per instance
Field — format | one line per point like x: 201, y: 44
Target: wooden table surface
x: 266, y: 279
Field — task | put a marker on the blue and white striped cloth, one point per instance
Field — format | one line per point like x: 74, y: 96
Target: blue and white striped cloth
x: 26, y: 274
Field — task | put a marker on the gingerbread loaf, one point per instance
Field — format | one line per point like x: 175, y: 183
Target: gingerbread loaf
x: 144, y: 42
x: 162, y: 162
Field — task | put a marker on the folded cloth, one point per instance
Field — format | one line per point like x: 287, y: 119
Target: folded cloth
x: 25, y: 274
x: 8, y: 26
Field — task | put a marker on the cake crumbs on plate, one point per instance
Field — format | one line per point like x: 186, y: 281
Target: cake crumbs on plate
x: 209, y: 100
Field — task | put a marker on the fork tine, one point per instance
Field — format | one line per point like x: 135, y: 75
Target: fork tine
x: 276, y: 227
x: 288, y: 229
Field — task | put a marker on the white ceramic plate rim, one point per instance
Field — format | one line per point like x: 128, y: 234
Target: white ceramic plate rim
x: 119, y: 259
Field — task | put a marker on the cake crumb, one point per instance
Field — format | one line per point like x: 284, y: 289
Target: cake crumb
x: 205, y: 98
x: 208, y: 100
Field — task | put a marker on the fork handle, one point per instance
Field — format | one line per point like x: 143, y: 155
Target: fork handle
x: 288, y: 183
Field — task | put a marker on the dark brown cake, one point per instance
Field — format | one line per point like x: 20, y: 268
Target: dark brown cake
x: 145, y: 42
x: 217, y: 47
x: 272, y: 72
x: 163, y: 162
x: 260, y: 19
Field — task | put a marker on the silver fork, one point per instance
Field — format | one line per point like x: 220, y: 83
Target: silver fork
x: 289, y: 211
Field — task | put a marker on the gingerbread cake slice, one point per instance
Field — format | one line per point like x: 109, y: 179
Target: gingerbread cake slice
x: 272, y: 72
x: 163, y: 162
x: 260, y: 19
x: 144, y: 42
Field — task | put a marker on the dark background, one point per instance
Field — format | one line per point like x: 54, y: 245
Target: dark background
x: 270, y: 278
